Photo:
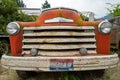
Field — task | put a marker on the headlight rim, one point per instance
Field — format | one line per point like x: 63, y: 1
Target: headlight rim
x: 99, y: 26
x: 18, y: 29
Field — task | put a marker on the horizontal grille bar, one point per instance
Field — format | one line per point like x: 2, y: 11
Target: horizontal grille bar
x: 60, y: 34
x: 58, y: 40
x: 60, y: 27
x: 57, y: 46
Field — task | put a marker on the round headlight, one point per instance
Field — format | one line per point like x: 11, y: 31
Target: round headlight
x: 105, y: 27
x: 13, y: 28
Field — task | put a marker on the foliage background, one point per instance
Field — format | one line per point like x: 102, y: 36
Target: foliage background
x: 114, y: 9
x: 46, y: 5
x: 10, y: 10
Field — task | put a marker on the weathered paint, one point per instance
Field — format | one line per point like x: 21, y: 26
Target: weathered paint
x: 16, y: 44
x: 102, y: 41
x: 45, y: 63
x: 68, y: 14
x: 61, y: 39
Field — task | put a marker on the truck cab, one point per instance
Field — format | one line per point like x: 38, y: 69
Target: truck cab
x: 59, y: 40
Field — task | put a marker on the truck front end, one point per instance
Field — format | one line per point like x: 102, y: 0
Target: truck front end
x: 69, y: 44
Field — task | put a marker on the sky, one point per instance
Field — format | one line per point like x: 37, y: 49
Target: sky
x: 98, y: 7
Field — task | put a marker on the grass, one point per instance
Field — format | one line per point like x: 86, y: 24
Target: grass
x: 71, y: 76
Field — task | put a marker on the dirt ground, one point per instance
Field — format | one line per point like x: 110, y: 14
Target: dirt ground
x: 110, y: 74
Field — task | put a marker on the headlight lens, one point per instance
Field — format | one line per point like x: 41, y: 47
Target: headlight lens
x: 13, y: 28
x: 105, y: 27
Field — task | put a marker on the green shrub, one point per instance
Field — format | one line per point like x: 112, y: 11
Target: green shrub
x: 9, y: 12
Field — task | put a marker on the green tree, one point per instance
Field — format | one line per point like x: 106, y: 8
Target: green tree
x: 7, y: 8
x: 9, y: 12
x: 114, y: 9
x: 20, y: 3
x: 46, y: 5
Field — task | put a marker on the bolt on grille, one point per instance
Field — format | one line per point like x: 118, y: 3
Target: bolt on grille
x: 59, y: 40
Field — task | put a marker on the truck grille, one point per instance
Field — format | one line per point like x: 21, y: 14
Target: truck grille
x: 59, y: 40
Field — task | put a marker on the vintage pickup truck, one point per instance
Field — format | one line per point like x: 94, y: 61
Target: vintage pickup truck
x: 59, y: 40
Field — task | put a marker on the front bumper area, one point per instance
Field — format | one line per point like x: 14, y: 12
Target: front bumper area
x: 60, y: 63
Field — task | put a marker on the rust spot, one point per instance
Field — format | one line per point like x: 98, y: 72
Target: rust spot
x: 27, y: 55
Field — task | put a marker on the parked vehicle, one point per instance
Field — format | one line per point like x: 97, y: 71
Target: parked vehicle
x: 60, y: 40
x: 115, y: 33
